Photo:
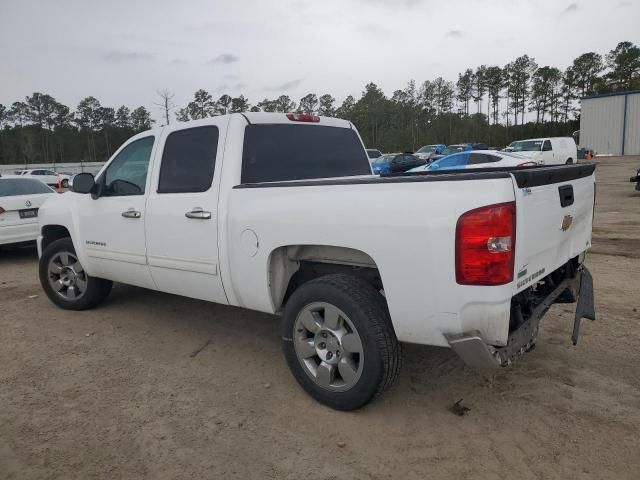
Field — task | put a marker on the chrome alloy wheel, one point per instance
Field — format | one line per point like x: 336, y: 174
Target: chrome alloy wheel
x: 328, y: 346
x: 66, y: 276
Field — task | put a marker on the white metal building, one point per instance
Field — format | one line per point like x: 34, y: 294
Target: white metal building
x: 610, y: 123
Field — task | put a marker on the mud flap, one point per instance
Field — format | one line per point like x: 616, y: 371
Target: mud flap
x: 586, y: 305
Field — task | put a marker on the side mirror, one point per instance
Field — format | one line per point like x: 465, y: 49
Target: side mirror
x: 83, y: 183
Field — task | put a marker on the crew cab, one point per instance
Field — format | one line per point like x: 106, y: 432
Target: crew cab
x: 280, y: 213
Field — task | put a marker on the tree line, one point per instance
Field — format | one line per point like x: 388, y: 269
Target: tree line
x: 487, y: 103
x: 42, y: 130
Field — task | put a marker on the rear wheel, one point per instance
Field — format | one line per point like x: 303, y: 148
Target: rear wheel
x: 64, y: 280
x: 569, y: 161
x: 339, y: 342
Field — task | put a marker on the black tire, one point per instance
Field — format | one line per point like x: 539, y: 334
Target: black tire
x: 97, y: 289
x: 367, y: 310
x: 569, y: 161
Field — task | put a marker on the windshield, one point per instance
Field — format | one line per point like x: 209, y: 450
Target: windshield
x: 373, y: 153
x: 427, y: 149
x: 22, y: 186
x: 526, y: 146
x: 453, y: 149
x: 458, y: 160
x: 382, y: 159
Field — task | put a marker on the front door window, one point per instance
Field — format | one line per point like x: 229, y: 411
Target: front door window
x: 127, y: 173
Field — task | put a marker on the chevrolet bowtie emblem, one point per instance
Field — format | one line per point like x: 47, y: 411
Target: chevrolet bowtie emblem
x: 566, y: 222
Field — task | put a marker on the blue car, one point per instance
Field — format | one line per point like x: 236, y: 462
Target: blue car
x: 381, y: 164
x: 395, y: 162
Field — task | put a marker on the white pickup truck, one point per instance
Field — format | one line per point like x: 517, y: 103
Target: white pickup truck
x: 280, y: 213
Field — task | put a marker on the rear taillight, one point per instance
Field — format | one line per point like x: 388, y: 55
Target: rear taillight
x: 303, y: 117
x: 485, y: 245
x: 527, y: 164
x: 2, y: 210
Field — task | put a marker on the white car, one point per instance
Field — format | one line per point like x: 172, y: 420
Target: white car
x: 47, y: 176
x: 280, y: 213
x: 20, y: 199
x: 478, y: 159
x: 547, y: 151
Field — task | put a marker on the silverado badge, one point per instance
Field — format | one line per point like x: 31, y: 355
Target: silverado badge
x: 566, y: 222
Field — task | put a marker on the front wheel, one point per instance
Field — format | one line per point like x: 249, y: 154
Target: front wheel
x: 64, y: 280
x: 339, y: 342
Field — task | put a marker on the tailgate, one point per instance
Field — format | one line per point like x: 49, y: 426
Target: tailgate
x: 554, y: 215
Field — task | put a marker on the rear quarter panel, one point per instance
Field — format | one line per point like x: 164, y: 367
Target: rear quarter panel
x: 409, y: 231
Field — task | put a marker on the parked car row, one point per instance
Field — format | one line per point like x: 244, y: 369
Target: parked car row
x: 537, y: 151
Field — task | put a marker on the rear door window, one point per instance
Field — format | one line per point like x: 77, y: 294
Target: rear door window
x: 189, y: 160
x: 283, y: 152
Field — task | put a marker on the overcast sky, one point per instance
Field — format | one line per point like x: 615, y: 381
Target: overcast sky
x: 122, y: 52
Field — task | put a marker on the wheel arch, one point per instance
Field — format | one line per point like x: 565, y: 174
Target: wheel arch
x: 51, y: 233
x: 290, y: 266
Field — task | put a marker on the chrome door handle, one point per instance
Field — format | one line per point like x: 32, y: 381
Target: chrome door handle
x: 131, y: 214
x: 198, y: 214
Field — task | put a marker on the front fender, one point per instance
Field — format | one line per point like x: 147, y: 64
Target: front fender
x: 58, y: 211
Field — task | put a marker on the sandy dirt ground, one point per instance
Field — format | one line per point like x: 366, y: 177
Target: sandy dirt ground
x: 121, y: 392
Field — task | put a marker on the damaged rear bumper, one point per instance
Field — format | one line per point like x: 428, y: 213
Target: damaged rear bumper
x: 577, y: 284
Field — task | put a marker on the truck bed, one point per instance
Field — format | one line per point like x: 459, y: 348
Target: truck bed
x: 409, y: 232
